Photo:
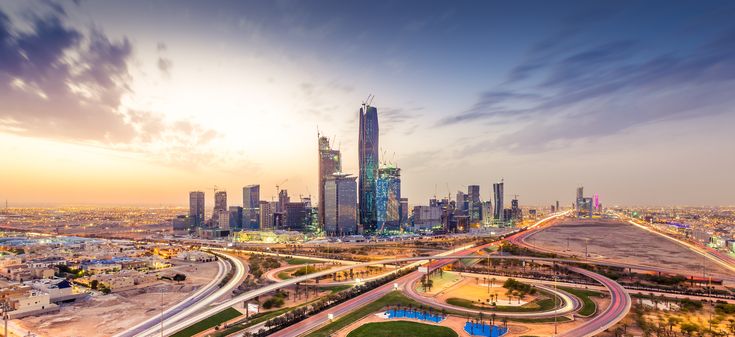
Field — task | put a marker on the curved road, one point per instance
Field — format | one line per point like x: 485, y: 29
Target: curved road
x: 620, y: 303
x: 571, y: 303
x: 200, y: 300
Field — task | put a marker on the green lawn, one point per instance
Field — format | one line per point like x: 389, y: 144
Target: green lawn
x: 537, y: 305
x: 211, y: 321
x: 298, y: 261
x: 400, y: 328
x: 392, y: 298
x: 588, y: 305
x: 338, y: 288
x: 284, y: 275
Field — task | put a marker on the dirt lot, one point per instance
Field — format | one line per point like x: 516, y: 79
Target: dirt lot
x: 106, y: 315
x: 621, y: 242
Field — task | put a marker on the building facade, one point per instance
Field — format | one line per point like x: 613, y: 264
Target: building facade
x: 340, y: 205
x: 251, y: 207
x: 330, y: 162
x: 368, y: 148
x: 388, y: 199
x: 196, y: 208
x: 498, y: 214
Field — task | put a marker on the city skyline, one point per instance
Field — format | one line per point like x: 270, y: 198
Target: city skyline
x: 112, y: 113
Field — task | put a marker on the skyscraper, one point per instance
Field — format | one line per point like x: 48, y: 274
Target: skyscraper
x: 235, y: 217
x: 251, y: 207
x: 330, y: 162
x: 340, y: 205
x: 368, y: 148
x: 404, y: 212
x: 474, y: 205
x: 220, y: 205
x: 498, y: 193
x: 388, y: 198
x: 196, y: 208
x: 266, y: 215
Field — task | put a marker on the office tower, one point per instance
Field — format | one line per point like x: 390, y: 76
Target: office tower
x: 251, y: 207
x: 330, y: 162
x: 585, y: 208
x: 388, y: 198
x: 266, y: 215
x: 580, y: 192
x: 462, y: 204
x: 220, y: 204
x: 516, y: 213
x: 283, y: 199
x: 368, y: 148
x: 557, y: 205
x: 498, y: 215
x: 196, y: 208
x: 220, y: 201
x: 404, y: 212
x: 427, y: 217
x: 474, y: 205
x: 235, y: 217
x: 340, y: 205
x: 487, y: 213
x: 222, y: 217
x: 297, y: 216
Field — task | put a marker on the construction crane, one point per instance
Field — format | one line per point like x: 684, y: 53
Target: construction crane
x: 278, y: 187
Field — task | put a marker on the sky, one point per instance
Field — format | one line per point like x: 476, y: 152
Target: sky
x: 139, y: 102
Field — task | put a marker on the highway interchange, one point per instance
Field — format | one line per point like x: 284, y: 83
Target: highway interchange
x: 201, y: 304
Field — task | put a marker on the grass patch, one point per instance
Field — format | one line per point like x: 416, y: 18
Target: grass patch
x: 537, y: 305
x: 209, y: 322
x: 588, y: 305
x: 337, y: 288
x: 400, y: 328
x: 284, y: 275
x: 392, y: 298
x: 298, y: 261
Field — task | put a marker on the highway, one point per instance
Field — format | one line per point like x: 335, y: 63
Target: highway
x: 172, y: 326
x: 200, y: 300
x: 620, y: 303
x: 196, y: 296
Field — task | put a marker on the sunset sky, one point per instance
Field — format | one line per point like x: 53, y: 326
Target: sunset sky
x: 137, y: 103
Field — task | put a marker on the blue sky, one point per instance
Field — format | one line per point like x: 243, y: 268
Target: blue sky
x: 631, y: 99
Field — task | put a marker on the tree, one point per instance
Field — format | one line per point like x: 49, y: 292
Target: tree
x: 94, y: 284
x: 179, y: 277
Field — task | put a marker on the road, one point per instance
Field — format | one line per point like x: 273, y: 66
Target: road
x: 199, y: 300
x: 620, y: 303
x: 571, y: 303
x: 172, y: 327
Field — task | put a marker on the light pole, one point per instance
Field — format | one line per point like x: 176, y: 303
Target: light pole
x: 161, y: 311
x: 555, y: 306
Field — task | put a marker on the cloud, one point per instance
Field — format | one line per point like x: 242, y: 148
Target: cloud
x: 62, y: 83
x: 604, y: 89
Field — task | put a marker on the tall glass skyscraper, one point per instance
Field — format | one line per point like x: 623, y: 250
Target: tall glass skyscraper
x: 196, y: 208
x: 340, y: 205
x: 251, y: 207
x: 498, y: 191
x: 330, y: 162
x: 368, y: 161
x: 388, y: 198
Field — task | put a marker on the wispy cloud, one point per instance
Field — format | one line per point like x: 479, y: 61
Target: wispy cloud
x: 59, y: 82
x: 595, y: 90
